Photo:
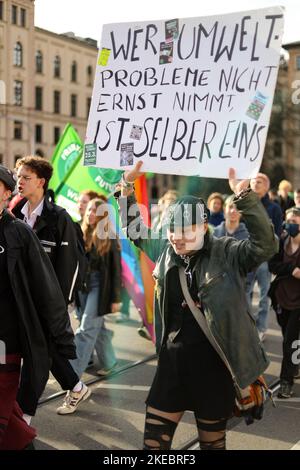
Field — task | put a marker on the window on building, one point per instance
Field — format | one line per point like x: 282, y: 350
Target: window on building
x: 57, y: 67
x: 56, y: 135
x: 73, y: 105
x: 39, y: 133
x: 74, y: 71
x: 18, y: 130
x: 16, y: 158
x: 39, y: 153
x: 88, y: 105
x: 298, y: 62
x: 56, y: 104
x: 1, y: 10
x: 18, y: 93
x: 18, y: 55
x: 89, y: 72
x: 39, y: 62
x: 38, y: 98
x: 277, y: 149
x: 1, y: 158
x: 23, y: 17
x: 14, y: 14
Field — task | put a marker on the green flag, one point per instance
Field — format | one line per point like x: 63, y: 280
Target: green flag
x: 81, y: 178
x: 66, y: 156
x: 70, y: 178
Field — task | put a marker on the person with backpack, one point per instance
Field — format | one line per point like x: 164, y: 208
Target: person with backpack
x: 209, y: 344
x: 33, y: 312
x: 59, y: 239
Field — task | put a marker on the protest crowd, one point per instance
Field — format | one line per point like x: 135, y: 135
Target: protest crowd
x: 80, y: 244
x: 59, y: 262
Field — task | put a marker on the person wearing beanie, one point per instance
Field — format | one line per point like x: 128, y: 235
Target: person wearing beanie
x: 209, y: 346
x: 32, y: 309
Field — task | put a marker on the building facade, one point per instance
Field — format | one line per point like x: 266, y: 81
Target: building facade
x: 46, y: 81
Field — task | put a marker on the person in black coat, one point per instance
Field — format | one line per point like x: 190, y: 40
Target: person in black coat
x: 56, y: 232
x: 285, y: 296
x: 33, y: 316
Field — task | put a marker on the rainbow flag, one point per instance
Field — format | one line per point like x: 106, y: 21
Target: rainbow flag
x: 146, y: 264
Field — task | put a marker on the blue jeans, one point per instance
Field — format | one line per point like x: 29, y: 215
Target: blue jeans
x: 92, y: 333
x: 263, y: 278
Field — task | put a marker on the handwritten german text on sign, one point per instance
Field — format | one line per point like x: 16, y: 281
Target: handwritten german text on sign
x: 186, y: 96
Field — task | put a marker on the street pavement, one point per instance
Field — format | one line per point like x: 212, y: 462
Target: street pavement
x: 113, y: 417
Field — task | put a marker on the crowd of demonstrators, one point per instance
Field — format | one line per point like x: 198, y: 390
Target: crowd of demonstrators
x: 83, y: 200
x: 297, y: 198
x: 33, y: 317
x: 215, y: 204
x: 285, y: 295
x: 233, y: 227
x: 284, y: 198
x: 193, y: 271
x: 56, y: 232
x: 100, y: 296
x: 261, y: 185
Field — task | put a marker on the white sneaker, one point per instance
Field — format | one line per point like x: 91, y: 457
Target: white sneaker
x: 72, y: 400
x: 262, y: 336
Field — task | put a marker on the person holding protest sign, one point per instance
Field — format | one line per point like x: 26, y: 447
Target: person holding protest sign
x: 33, y: 313
x: 209, y: 344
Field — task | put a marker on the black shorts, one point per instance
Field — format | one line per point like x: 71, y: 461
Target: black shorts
x: 192, y: 377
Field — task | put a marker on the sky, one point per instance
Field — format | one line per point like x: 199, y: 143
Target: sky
x: 85, y: 18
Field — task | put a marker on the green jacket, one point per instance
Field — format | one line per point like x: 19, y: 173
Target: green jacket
x: 220, y: 272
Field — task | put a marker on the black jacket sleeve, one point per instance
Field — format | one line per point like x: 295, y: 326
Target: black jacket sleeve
x: 116, y: 271
x: 66, y: 263
x: 277, y: 266
x: 47, y: 296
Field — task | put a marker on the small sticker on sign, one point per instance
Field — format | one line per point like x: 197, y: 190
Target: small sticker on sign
x: 136, y: 132
x: 126, y: 155
x: 171, y: 28
x: 257, y: 105
x: 90, y: 155
x: 166, y: 53
x: 104, y: 56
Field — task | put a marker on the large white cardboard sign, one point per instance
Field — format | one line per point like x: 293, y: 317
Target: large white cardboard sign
x: 186, y: 96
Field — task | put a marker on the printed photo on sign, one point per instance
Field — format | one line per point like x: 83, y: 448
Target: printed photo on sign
x: 171, y: 30
x: 90, y: 154
x: 126, y: 156
x: 166, y: 52
x: 257, y: 106
x: 136, y: 132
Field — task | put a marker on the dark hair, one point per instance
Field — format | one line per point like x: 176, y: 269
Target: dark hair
x: 91, y: 194
x: 39, y: 166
